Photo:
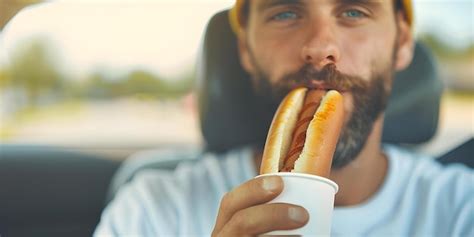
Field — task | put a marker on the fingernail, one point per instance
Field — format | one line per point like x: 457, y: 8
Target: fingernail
x: 270, y: 183
x: 297, y: 214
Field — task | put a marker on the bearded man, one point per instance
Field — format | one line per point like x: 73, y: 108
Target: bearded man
x: 355, y: 47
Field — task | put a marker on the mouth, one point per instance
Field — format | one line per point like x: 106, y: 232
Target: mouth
x: 318, y: 85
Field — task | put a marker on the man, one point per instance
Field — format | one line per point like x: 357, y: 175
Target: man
x: 354, y: 47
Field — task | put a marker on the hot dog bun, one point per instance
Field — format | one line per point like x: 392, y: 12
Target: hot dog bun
x: 321, y: 137
x: 278, y: 140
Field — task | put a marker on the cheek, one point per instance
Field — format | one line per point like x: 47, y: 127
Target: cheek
x: 363, y: 50
x: 356, y: 56
x: 275, y: 55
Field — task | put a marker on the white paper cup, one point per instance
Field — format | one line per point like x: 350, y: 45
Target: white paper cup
x: 315, y: 194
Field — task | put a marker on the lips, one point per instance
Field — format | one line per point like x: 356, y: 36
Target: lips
x: 319, y: 85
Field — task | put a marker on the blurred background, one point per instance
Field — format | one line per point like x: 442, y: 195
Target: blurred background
x: 114, y: 77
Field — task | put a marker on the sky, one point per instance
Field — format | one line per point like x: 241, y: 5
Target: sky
x: 163, y: 36
x: 451, y: 20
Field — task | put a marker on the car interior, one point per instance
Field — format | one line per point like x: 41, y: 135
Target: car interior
x: 65, y: 191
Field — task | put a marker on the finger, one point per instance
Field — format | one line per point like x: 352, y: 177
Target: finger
x: 265, y: 218
x: 251, y: 193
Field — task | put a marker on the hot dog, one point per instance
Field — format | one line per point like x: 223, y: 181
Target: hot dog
x: 304, y: 133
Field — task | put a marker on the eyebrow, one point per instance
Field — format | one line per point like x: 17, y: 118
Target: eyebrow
x: 272, y: 3
x: 362, y: 2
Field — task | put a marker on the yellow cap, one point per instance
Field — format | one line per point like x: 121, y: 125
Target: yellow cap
x: 234, y: 13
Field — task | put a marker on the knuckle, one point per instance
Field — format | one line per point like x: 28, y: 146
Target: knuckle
x: 280, y: 215
x: 226, y: 200
x: 238, y: 222
x: 258, y: 188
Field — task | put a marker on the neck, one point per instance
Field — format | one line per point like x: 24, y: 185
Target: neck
x: 360, y: 179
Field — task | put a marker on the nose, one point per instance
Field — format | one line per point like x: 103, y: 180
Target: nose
x: 320, y: 47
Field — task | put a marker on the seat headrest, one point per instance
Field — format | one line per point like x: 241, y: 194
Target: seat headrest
x: 231, y: 116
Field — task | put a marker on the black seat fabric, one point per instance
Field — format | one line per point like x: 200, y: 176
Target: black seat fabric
x: 461, y: 154
x: 231, y: 115
x: 47, y: 191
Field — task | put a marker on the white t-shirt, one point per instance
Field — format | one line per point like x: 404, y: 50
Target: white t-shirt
x: 419, y: 197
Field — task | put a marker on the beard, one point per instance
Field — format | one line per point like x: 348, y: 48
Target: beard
x: 370, y: 97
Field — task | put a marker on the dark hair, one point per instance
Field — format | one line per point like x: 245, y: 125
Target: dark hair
x: 398, y: 5
x: 245, y: 13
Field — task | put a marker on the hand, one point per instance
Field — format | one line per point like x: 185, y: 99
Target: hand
x: 243, y: 211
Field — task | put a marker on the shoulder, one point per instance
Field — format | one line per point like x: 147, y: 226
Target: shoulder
x: 427, y: 170
x: 130, y: 212
x: 440, y: 196
x: 165, y: 201
x: 217, y: 170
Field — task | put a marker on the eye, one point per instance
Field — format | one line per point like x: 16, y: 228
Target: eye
x: 353, y: 14
x: 283, y: 16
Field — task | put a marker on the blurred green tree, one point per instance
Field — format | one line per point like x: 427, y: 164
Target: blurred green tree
x: 445, y: 51
x: 32, y: 69
x: 140, y: 82
x: 4, y: 78
x: 95, y: 86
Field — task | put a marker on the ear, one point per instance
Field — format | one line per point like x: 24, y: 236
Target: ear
x: 244, y: 53
x: 404, y: 54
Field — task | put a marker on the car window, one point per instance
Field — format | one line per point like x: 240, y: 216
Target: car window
x: 102, y: 75
x: 446, y: 28
x: 117, y: 76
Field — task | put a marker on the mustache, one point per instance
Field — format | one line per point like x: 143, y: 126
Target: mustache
x: 328, y: 76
